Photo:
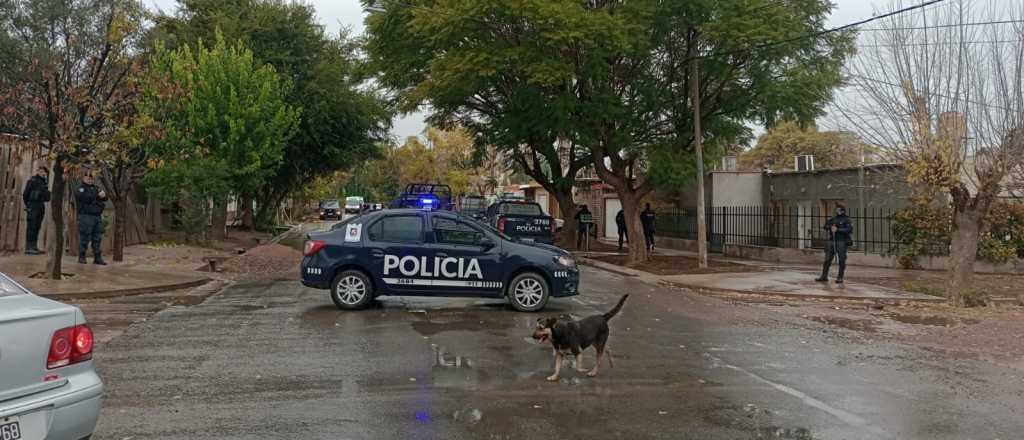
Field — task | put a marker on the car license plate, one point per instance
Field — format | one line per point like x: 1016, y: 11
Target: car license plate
x: 10, y: 429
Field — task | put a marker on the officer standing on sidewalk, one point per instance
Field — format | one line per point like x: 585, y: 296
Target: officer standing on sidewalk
x: 583, y: 221
x: 647, y: 221
x: 36, y: 194
x: 620, y: 222
x: 840, y: 237
x: 90, y: 201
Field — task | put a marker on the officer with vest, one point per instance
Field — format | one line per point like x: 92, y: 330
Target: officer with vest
x: 839, y: 230
x: 90, y: 201
x: 35, y: 197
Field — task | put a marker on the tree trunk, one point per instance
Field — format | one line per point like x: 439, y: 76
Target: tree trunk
x: 567, y: 206
x: 120, y: 220
x: 631, y: 209
x: 247, y: 215
x: 219, y: 220
x: 963, y: 252
x: 56, y: 245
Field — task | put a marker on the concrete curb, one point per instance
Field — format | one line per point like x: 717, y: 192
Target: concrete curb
x: 879, y: 299
x: 112, y: 293
x: 649, y: 277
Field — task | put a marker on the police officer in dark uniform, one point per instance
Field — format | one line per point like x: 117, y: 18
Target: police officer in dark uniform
x: 647, y: 221
x: 35, y: 197
x: 620, y: 221
x: 839, y: 230
x: 583, y: 218
x: 90, y: 201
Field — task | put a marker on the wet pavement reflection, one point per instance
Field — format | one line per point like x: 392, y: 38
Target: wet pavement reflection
x: 277, y: 360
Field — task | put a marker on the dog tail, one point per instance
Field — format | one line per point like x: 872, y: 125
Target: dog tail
x: 615, y: 311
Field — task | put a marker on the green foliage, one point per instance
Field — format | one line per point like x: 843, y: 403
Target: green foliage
x: 924, y: 230
x: 223, y: 121
x: 776, y: 148
x: 343, y: 119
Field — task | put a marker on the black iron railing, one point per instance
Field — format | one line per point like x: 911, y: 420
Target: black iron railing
x: 789, y: 227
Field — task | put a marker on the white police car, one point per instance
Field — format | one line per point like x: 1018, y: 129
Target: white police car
x: 409, y: 252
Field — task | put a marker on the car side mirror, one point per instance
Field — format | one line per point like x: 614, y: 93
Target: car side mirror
x: 486, y: 243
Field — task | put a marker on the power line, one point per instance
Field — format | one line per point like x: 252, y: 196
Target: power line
x: 823, y: 32
x: 939, y: 26
x: 942, y: 43
x: 928, y: 93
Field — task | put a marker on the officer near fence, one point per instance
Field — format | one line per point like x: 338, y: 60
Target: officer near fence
x: 90, y: 202
x: 35, y: 197
x: 839, y: 230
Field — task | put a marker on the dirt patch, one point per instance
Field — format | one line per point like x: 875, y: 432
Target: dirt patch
x: 271, y: 261
x: 678, y: 265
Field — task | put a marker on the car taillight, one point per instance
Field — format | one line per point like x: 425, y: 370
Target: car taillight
x: 313, y: 246
x: 501, y: 224
x: 70, y: 346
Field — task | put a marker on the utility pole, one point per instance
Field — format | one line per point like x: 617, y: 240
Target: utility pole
x: 861, y: 215
x: 702, y: 228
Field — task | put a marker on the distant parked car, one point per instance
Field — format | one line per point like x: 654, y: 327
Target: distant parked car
x: 48, y: 387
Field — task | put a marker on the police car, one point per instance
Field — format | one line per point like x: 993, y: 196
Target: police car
x: 411, y: 252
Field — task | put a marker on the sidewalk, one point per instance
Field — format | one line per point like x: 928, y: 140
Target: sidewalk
x: 769, y: 280
x: 92, y: 281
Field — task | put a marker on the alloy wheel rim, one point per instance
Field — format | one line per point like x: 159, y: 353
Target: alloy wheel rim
x: 351, y: 290
x: 529, y: 293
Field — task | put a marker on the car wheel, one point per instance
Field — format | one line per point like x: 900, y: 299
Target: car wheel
x: 351, y: 290
x: 528, y: 292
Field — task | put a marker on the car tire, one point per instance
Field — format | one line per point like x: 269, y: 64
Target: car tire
x: 352, y: 290
x: 528, y: 292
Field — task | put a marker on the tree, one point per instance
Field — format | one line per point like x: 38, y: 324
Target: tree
x: 777, y: 148
x: 343, y: 118
x: 224, y: 123
x: 481, y: 65
x: 945, y: 98
x: 64, y: 81
x: 609, y: 79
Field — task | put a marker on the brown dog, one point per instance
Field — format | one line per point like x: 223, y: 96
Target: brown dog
x: 569, y: 336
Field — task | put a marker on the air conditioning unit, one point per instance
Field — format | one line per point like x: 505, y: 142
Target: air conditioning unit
x: 729, y: 163
x: 804, y: 162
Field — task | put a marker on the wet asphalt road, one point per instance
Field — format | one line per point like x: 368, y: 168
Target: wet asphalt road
x: 276, y: 360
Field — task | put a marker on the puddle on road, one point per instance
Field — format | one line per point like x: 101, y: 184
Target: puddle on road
x: 863, y: 325
x: 935, y: 321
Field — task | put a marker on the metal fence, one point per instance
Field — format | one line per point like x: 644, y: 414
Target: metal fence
x: 789, y: 227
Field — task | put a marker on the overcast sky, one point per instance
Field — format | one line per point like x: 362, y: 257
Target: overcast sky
x: 338, y: 14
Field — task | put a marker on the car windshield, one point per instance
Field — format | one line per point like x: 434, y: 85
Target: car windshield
x: 8, y: 288
x: 354, y: 201
x: 521, y: 209
x: 331, y: 204
x: 495, y: 231
x: 474, y: 203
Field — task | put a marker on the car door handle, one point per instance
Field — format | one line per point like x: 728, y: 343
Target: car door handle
x: 377, y: 254
x: 441, y: 255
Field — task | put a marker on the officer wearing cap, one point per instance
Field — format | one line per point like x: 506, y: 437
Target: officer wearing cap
x: 90, y: 202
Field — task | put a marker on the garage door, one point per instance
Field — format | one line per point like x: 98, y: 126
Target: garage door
x: 611, y: 209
